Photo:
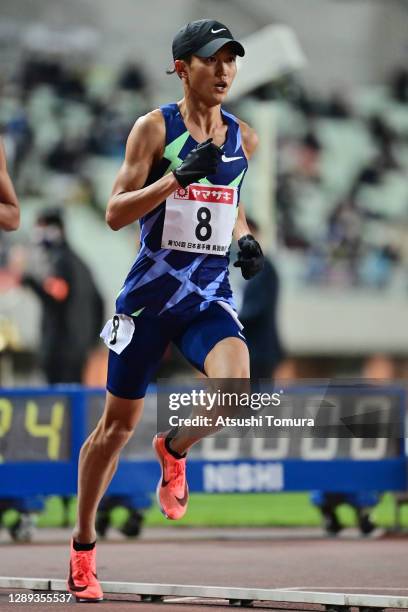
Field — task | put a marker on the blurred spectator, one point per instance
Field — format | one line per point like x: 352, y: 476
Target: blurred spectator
x: 72, y: 307
x: 298, y: 193
x: 399, y: 85
x: 309, y: 156
x: 338, y: 107
x: 132, y: 78
x: 258, y: 316
x: 44, y: 71
x: 311, y: 106
x: 66, y: 157
x: 386, y: 141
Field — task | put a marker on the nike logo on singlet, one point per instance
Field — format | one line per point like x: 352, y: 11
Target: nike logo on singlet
x: 229, y: 159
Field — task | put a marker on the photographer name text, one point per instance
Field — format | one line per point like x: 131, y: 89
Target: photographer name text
x: 267, y: 420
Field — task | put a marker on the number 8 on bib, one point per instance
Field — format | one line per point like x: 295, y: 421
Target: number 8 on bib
x: 200, y: 219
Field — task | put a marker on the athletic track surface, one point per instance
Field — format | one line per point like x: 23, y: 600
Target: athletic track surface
x: 266, y: 558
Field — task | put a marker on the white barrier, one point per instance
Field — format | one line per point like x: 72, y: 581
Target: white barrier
x: 235, y: 595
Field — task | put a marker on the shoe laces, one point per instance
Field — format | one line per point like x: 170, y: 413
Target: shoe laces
x: 82, y: 565
x: 176, y: 472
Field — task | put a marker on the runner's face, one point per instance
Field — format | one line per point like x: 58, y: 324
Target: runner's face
x: 210, y: 78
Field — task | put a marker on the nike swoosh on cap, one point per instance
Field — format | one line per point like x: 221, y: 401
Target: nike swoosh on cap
x: 220, y: 30
x: 229, y: 159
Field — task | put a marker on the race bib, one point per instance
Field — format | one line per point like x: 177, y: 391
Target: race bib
x: 200, y: 219
x: 118, y: 332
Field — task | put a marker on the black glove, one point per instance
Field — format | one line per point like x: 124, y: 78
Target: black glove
x: 250, y: 257
x: 200, y: 162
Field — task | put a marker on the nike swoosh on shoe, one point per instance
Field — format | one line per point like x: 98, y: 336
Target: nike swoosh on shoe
x: 72, y: 585
x: 183, y: 500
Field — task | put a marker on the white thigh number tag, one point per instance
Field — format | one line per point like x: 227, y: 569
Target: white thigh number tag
x: 118, y: 332
x: 200, y: 219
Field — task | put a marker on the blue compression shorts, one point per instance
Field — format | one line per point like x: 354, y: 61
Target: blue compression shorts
x: 131, y: 371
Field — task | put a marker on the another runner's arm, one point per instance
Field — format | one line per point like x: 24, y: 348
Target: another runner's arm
x: 130, y: 200
x: 9, y: 206
x: 249, y: 144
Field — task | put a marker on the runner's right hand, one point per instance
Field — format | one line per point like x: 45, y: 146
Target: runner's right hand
x: 200, y: 162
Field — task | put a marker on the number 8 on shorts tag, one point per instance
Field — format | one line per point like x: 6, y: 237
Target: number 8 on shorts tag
x: 118, y: 332
x: 200, y: 219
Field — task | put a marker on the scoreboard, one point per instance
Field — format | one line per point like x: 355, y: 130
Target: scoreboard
x: 42, y: 430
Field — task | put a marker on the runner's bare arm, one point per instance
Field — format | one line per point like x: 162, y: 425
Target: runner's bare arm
x: 9, y: 206
x: 250, y: 139
x: 249, y: 144
x: 241, y: 227
x: 130, y: 200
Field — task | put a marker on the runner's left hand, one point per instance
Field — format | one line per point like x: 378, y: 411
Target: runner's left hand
x: 250, y: 257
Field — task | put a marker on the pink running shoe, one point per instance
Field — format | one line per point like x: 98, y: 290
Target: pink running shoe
x: 172, y: 488
x: 82, y: 580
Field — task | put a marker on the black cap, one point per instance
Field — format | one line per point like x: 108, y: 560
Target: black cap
x: 203, y: 38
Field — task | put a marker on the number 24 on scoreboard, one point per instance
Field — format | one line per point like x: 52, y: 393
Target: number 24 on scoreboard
x: 50, y: 432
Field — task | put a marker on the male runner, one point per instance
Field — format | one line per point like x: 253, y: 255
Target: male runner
x: 9, y: 206
x: 181, y: 179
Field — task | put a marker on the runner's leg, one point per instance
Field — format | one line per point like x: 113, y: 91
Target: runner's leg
x: 129, y: 373
x: 206, y: 343
x: 228, y: 359
x: 99, y: 457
